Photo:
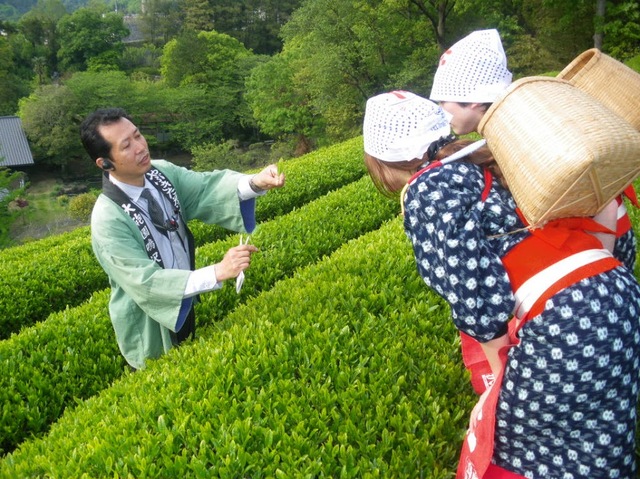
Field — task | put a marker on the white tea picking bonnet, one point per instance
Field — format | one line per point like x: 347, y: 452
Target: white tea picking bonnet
x: 473, y: 70
x: 400, y: 126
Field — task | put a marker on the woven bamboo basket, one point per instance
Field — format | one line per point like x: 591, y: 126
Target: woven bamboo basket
x: 609, y: 81
x: 562, y: 152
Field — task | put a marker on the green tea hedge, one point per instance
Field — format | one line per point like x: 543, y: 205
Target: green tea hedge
x: 298, y: 239
x: 47, y: 275
x: 307, y: 178
x: 48, y: 367
x: 350, y: 368
x: 47, y: 280
x: 73, y: 354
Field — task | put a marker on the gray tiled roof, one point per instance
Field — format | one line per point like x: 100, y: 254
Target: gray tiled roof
x: 14, y: 148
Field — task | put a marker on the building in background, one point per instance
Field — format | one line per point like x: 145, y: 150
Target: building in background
x: 14, y: 147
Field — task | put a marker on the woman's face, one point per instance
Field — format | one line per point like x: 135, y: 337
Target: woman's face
x: 465, y: 116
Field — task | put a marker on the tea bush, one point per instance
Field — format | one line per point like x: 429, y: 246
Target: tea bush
x: 346, y: 367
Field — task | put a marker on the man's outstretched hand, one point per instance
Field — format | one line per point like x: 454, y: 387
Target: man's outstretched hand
x: 268, y: 178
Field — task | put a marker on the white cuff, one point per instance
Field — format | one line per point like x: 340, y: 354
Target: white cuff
x: 245, y: 192
x: 201, y: 281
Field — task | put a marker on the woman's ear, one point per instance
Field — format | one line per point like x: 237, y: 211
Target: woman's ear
x: 481, y: 107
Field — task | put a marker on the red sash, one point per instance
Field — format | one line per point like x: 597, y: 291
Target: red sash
x: 476, y: 363
x: 552, y: 258
x: 630, y: 193
x: 473, y: 355
x: 624, y: 222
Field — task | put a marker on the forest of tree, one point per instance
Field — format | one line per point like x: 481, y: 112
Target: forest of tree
x: 208, y: 76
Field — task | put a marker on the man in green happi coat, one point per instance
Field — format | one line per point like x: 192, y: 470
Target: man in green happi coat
x: 140, y: 235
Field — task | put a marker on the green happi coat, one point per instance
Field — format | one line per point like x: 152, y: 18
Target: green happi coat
x: 145, y: 298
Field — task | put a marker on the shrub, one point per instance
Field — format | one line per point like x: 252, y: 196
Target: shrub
x: 80, y: 206
x: 63, y: 200
x: 45, y: 276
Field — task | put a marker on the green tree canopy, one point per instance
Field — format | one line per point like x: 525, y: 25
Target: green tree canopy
x: 255, y: 23
x: 14, y: 78
x: 280, y: 101
x: 206, y: 58
x: 354, y: 49
x: 219, y: 64
x: 88, y: 33
x: 622, y: 30
x: 161, y: 20
x: 39, y: 28
x: 48, y: 119
x: 180, y: 117
x: 52, y: 114
x: 213, y: 88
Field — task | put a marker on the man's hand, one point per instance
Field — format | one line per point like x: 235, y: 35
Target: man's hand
x: 235, y: 260
x: 268, y: 178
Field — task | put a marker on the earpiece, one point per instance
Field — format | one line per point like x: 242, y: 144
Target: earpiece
x: 106, y: 164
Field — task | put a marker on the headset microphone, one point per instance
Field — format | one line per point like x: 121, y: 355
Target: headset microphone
x: 171, y: 225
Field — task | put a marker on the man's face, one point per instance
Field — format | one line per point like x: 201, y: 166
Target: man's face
x: 465, y: 116
x: 129, y: 151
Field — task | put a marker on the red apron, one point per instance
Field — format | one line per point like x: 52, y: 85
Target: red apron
x: 549, y: 260
x: 624, y: 222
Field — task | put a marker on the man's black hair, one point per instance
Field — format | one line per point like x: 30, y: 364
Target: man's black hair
x: 92, y: 140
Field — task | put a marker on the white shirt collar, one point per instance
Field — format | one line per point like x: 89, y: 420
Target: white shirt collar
x: 132, y: 191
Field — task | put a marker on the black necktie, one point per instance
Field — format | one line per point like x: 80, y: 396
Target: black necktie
x: 155, y: 211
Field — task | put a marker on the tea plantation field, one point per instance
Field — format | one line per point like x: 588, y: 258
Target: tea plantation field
x: 334, y: 361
